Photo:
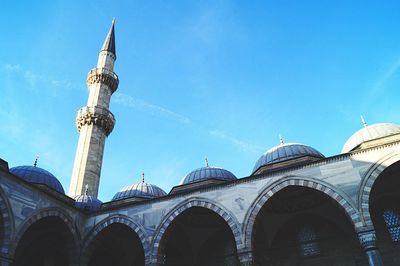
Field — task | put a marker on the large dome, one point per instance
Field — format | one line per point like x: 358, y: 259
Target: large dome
x: 285, y: 152
x: 370, y: 132
x: 140, y: 190
x: 87, y: 202
x: 207, y: 172
x: 37, y: 175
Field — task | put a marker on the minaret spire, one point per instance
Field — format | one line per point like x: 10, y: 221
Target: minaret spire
x: 95, y: 121
x: 109, y: 43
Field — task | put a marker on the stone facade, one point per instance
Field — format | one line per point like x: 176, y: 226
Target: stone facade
x: 346, y: 179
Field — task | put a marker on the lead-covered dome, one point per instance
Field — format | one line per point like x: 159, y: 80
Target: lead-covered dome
x: 140, y: 190
x: 87, y: 202
x: 370, y: 132
x: 286, y: 152
x: 37, y: 175
x: 206, y: 173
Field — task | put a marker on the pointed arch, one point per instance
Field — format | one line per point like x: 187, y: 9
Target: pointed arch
x: 368, y: 182
x: 229, y: 218
x: 270, y: 190
x: 119, y: 219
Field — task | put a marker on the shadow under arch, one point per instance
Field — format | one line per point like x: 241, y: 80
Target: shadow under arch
x: 230, y: 219
x: 89, y: 245
x: 40, y: 216
x: 368, y: 182
x: 337, y: 196
x: 6, y: 225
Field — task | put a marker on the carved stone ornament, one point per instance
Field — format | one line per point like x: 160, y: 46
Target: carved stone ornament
x: 367, y: 240
x: 105, y: 76
x: 98, y: 116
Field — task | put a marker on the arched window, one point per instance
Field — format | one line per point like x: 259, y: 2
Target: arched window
x: 392, y: 221
x: 308, y: 241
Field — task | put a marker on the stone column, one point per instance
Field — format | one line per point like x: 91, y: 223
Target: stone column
x: 368, y: 243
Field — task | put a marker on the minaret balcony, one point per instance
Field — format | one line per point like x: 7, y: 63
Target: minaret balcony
x: 96, y: 115
x: 103, y: 75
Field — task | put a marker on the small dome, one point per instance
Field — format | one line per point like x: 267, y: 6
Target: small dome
x: 207, y: 172
x: 284, y: 152
x: 87, y: 202
x: 370, y: 132
x: 37, y: 175
x: 140, y: 190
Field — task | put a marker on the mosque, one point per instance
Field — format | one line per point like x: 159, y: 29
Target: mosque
x: 298, y: 207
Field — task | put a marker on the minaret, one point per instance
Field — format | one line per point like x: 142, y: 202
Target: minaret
x: 95, y: 122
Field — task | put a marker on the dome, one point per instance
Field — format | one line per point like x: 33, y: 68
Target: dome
x: 285, y: 152
x: 87, y: 202
x: 207, y: 172
x: 370, y: 132
x: 140, y: 190
x: 37, y: 175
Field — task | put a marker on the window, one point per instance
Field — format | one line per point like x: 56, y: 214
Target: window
x: 308, y: 242
x: 392, y: 221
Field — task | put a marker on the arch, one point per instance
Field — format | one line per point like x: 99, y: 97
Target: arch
x: 368, y: 182
x: 7, y: 225
x: 194, y: 202
x: 39, y: 215
x: 121, y: 219
x: 339, y: 197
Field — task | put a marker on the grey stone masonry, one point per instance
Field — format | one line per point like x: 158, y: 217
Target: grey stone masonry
x: 94, y: 122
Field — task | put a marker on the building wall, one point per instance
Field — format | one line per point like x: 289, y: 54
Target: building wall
x: 347, y: 179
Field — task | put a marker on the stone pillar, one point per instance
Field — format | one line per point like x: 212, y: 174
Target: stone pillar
x: 368, y: 244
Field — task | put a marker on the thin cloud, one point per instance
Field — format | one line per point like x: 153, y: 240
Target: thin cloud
x: 12, y: 125
x: 34, y: 78
x: 244, y: 146
x: 380, y: 84
x: 9, y: 68
x: 131, y: 102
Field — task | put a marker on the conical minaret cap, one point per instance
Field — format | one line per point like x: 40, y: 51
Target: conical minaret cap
x: 109, y: 43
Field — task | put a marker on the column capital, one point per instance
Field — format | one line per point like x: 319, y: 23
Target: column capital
x: 367, y: 239
x: 245, y: 258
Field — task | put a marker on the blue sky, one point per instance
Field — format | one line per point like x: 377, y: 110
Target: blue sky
x: 197, y: 78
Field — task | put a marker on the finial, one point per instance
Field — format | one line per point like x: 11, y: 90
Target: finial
x: 363, y: 121
x: 86, y: 189
x: 113, y: 20
x: 206, y: 161
x: 36, y: 160
x: 280, y: 139
x: 142, y: 177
